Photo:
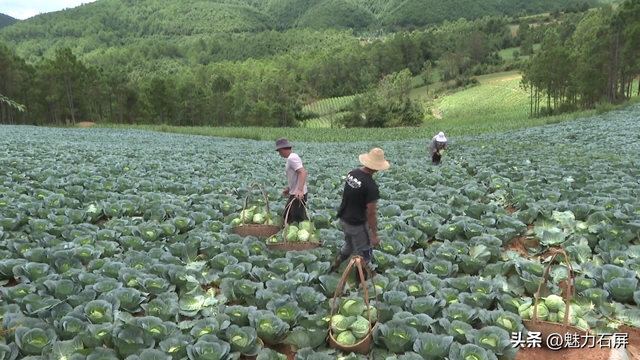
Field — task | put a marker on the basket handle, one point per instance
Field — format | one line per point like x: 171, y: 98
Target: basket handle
x: 286, y: 217
x: 246, y: 200
x: 359, y: 262
x: 570, y: 278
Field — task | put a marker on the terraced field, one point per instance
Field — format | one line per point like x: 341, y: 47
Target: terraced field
x: 328, y: 106
x: 119, y: 245
x: 327, y: 121
x: 496, y: 98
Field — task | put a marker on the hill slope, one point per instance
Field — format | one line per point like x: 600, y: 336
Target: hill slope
x: 6, y: 20
x: 411, y: 13
x: 112, y: 23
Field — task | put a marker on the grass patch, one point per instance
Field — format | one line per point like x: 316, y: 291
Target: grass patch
x: 325, y: 121
x: 421, y: 92
x: 453, y: 127
x: 507, y: 54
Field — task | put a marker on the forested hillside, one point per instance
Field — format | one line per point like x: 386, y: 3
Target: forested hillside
x: 414, y: 13
x: 6, y: 20
x: 159, y: 72
x: 114, y: 23
x: 276, y: 73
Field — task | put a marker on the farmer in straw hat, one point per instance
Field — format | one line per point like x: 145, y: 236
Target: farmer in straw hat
x: 357, y: 212
x: 439, y: 142
x: 296, y: 188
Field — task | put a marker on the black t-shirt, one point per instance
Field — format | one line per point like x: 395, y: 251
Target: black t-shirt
x: 359, y: 190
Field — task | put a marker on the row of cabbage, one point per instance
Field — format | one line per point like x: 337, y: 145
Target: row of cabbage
x: 123, y: 255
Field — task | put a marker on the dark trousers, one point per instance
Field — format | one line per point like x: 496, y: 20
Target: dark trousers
x: 357, y: 240
x: 297, y: 212
x: 435, y: 159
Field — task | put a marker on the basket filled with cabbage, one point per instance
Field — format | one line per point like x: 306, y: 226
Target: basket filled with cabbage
x: 351, y: 328
x: 553, y: 314
x: 295, y: 236
x: 255, y: 224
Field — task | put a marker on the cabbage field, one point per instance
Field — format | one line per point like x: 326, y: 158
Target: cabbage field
x: 117, y: 244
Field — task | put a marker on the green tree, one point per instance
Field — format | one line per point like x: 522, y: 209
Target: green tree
x: 72, y: 75
x: 221, y: 86
x: 388, y: 106
x: 427, y: 73
x: 526, y: 47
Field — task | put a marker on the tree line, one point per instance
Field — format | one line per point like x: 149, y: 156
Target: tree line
x: 121, y: 87
x: 586, y: 63
x: 254, y: 92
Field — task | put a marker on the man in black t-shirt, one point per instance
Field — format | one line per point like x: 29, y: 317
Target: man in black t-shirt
x: 357, y: 212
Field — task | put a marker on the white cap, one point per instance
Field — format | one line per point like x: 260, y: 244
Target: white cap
x: 440, y: 137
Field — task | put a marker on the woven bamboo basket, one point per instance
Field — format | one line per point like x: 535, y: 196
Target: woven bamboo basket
x: 257, y: 230
x: 294, y: 246
x: 363, y: 346
x: 546, y: 328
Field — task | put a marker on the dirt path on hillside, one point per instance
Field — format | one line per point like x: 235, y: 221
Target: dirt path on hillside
x: 85, y: 124
x: 514, y: 77
x: 436, y: 113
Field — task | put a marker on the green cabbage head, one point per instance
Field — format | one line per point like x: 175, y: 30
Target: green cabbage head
x: 303, y: 235
x: 305, y: 225
x: 573, y: 317
x: 346, y: 338
x: 292, y: 234
x: 360, y: 328
x: 259, y: 218
x: 340, y: 323
x: 554, y: 303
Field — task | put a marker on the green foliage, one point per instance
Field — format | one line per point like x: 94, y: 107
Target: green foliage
x: 267, y: 92
x: 6, y: 20
x: 327, y: 121
x: 11, y: 103
x: 120, y: 244
x: 460, y: 83
x: 510, y: 53
x: 422, y: 12
x: 452, y: 126
x: 601, y: 52
x: 112, y: 23
x: 388, y: 106
x: 336, y: 14
x: 186, y: 73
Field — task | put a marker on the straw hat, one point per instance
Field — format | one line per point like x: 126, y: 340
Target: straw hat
x: 374, y: 160
x: 440, y: 137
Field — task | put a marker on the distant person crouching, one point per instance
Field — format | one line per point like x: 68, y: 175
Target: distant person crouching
x: 439, y: 142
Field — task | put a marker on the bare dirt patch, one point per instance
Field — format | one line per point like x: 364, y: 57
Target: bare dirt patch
x: 634, y: 340
x: 520, y: 244
x: 517, y: 246
x: 101, y: 221
x: 514, y: 77
x: 436, y: 113
x: 85, y: 124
